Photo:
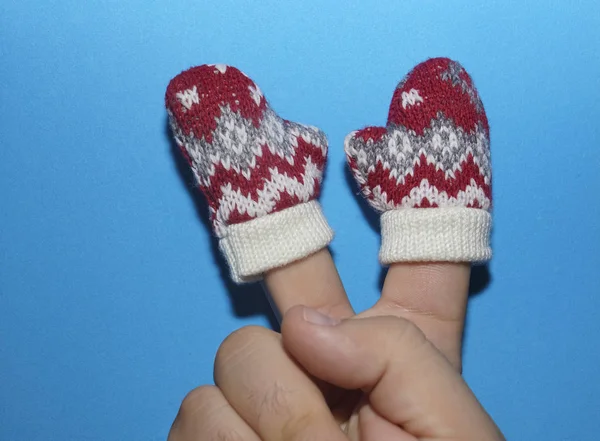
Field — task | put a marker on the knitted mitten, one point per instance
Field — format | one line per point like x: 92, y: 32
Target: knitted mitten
x: 428, y: 171
x: 260, y: 174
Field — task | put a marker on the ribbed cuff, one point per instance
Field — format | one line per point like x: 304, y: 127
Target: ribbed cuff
x: 454, y: 234
x: 274, y: 240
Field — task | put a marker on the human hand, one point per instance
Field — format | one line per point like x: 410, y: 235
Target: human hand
x: 431, y: 295
x: 411, y: 390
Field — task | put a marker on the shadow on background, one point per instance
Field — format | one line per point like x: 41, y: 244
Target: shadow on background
x: 247, y: 300
x: 251, y: 299
x: 480, y: 279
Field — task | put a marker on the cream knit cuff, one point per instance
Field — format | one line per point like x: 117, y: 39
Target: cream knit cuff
x: 275, y: 240
x: 452, y: 234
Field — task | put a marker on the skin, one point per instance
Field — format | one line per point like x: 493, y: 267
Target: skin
x: 389, y: 373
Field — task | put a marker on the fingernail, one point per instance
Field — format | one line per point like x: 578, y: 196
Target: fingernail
x: 316, y: 318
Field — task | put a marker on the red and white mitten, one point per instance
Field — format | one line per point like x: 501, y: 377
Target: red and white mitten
x: 260, y: 174
x: 428, y: 171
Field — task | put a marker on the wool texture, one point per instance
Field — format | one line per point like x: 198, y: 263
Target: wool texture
x: 429, y: 170
x: 260, y: 174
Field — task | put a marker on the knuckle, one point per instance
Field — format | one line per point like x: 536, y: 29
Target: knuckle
x: 197, y: 401
x: 205, y: 413
x: 275, y: 401
x: 227, y: 434
x: 298, y: 427
x: 293, y: 421
x: 238, y: 342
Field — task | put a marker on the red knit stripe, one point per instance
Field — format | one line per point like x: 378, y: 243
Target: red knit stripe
x: 374, y: 133
x: 436, y: 178
x: 260, y: 174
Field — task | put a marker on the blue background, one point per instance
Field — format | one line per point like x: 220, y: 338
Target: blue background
x: 112, y: 302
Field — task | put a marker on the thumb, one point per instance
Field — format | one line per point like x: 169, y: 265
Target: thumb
x: 409, y: 382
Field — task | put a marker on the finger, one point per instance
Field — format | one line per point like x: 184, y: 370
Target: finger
x: 313, y: 282
x: 429, y: 173
x: 434, y: 297
x: 270, y: 391
x: 408, y: 381
x: 261, y: 176
x: 205, y: 414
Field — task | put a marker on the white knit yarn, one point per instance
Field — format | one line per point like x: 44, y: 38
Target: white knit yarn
x: 453, y: 234
x: 275, y: 240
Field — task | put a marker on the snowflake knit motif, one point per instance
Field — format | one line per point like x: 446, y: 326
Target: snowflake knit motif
x: 261, y: 174
x: 434, y: 153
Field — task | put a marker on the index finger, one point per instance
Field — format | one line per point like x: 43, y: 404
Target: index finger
x: 261, y: 175
x: 312, y: 281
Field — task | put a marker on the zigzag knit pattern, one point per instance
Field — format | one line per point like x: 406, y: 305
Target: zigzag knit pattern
x: 433, y: 153
x: 247, y: 160
x: 260, y: 173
